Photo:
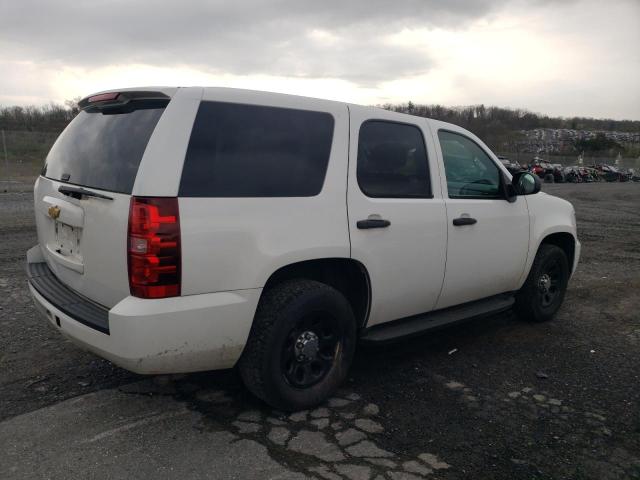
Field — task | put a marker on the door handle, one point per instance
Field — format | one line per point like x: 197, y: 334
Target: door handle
x: 458, y: 222
x: 372, y: 223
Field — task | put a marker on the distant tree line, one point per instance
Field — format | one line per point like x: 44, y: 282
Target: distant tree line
x: 47, y: 118
x: 482, y: 119
x: 498, y: 127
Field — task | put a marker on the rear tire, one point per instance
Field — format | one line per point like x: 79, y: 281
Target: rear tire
x: 300, y: 346
x: 543, y: 292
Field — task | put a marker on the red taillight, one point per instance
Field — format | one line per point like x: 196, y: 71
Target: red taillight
x: 153, y: 247
x: 103, y: 97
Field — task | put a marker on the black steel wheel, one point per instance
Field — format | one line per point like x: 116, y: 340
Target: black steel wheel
x: 311, y: 348
x: 548, y: 283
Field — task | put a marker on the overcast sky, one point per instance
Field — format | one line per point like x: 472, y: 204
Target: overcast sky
x: 571, y: 57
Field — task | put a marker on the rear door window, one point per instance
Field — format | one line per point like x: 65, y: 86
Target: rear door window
x: 240, y: 150
x: 102, y: 150
x: 392, y: 161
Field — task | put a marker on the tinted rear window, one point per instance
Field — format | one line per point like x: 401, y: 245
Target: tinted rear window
x: 102, y: 150
x: 252, y: 151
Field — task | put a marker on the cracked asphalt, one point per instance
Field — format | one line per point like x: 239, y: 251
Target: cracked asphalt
x: 495, y: 398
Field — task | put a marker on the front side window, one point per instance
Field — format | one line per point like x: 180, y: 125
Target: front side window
x: 470, y: 171
x: 240, y: 150
x: 392, y: 161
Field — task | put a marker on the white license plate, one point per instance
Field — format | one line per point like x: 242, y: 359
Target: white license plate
x: 67, y: 240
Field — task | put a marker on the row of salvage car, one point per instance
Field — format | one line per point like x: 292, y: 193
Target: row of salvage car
x: 557, y: 173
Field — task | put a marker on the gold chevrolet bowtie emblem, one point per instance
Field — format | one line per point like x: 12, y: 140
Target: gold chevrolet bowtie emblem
x: 54, y: 211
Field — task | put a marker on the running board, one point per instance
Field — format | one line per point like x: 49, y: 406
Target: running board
x: 418, y: 324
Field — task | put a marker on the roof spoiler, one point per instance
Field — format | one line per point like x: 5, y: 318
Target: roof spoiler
x: 118, y: 100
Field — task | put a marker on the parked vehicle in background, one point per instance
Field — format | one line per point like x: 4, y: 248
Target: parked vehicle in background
x: 547, y: 171
x: 573, y: 175
x: 539, y: 168
x: 558, y: 173
x: 576, y: 174
x: 612, y: 173
x: 187, y: 229
x: 607, y: 173
x: 512, y: 167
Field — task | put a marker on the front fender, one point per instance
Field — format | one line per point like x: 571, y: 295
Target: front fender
x: 548, y: 215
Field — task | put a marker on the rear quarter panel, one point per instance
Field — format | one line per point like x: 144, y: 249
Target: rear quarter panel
x: 237, y: 243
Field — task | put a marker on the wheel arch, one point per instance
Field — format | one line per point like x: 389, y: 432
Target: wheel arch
x: 564, y: 238
x: 566, y: 241
x: 348, y: 276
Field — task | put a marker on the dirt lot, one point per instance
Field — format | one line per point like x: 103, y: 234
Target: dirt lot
x: 496, y: 398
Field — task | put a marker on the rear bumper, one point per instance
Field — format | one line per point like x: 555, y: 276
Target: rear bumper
x: 170, y: 335
x: 42, y: 280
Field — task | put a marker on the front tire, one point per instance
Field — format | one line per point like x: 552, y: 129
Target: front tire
x: 300, y: 346
x: 543, y: 292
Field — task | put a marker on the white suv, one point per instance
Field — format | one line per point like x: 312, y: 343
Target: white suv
x: 186, y: 229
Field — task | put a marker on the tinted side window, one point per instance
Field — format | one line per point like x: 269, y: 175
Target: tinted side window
x: 470, y: 172
x: 252, y: 151
x: 392, y: 160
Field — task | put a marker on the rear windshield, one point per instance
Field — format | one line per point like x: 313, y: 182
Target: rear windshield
x: 254, y: 151
x: 102, y: 150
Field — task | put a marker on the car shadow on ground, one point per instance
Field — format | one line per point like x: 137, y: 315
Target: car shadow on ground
x: 468, y: 398
x: 350, y: 434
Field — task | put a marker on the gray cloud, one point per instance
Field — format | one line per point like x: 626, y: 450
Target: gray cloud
x: 582, y: 57
x: 243, y: 37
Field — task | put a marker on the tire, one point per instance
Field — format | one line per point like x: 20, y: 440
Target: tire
x: 543, y: 292
x: 548, y: 178
x: 274, y: 366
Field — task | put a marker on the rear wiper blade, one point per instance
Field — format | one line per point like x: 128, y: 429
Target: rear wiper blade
x: 78, y: 192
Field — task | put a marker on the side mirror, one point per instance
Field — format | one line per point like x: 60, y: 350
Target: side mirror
x: 508, y: 190
x: 526, y: 183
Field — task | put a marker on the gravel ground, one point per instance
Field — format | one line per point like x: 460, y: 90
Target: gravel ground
x: 496, y: 398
